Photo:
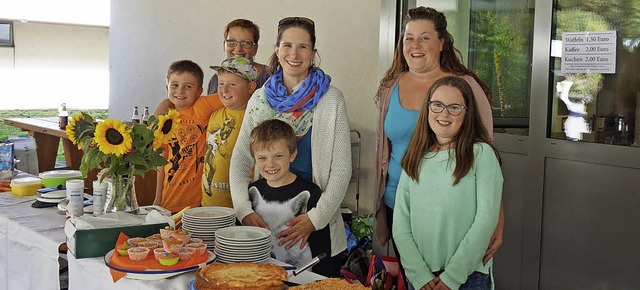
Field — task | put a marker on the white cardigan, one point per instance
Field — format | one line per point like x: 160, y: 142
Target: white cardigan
x: 330, y: 159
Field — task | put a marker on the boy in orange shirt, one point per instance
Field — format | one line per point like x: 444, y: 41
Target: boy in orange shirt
x: 179, y: 182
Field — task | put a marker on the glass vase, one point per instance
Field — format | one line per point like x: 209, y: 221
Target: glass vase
x: 121, y: 195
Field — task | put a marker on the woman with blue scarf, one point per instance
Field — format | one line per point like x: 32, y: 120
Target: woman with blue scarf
x: 300, y: 94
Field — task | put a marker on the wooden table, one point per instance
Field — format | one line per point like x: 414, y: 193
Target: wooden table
x: 47, y: 133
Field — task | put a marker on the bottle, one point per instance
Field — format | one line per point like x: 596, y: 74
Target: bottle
x: 99, y: 195
x: 145, y: 116
x: 75, y: 194
x: 135, y: 118
x: 63, y: 116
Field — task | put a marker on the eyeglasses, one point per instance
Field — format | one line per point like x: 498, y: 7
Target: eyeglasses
x: 453, y: 109
x: 291, y: 20
x: 243, y: 44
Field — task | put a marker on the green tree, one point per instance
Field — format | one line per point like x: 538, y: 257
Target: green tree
x: 575, y: 20
x: 502, y: 56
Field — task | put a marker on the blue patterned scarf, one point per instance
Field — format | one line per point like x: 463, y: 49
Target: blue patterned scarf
x: 304, y: 98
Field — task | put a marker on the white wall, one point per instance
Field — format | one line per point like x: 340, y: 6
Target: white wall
x: 147, y: 35
x: 54, y: 63
x: 79, y: 12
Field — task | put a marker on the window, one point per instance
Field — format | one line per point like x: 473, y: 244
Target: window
x: 496, y: 41
x: 500, y: 50
x: 6, y: 33
x: 597, y: 105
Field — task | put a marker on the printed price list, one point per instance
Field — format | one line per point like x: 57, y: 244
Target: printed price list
x: 589, y: 52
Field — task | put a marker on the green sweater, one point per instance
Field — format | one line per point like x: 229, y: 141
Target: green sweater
x: 438, y: 226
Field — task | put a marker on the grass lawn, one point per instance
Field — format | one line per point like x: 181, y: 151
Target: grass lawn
x: 6, y: 130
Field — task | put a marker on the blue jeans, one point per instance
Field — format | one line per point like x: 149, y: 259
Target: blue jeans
x: 476, y: 281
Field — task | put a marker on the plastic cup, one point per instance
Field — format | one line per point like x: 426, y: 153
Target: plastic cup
x: 75, y: 194
x: 99, y: 195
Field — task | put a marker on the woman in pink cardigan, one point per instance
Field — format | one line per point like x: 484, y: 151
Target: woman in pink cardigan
x: 423, y: 55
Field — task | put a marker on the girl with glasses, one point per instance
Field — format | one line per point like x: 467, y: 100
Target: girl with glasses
x: 301, y: 94
x: 424, y: 54
x: 241, y: 38
x: 448, y: 197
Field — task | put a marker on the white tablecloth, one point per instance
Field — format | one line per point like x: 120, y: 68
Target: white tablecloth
x: 92, y: 273
x: 29, y: 241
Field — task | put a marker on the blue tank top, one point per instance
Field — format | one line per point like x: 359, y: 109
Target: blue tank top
x: 302, y: 166
x: 399, y: 124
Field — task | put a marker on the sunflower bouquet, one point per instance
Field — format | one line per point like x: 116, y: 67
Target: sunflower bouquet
x: 121, y: 150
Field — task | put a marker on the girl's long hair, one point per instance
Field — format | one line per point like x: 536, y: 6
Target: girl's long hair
x: 471, y: 132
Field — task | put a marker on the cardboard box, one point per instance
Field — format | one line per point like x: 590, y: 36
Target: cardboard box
x: 98, y: 242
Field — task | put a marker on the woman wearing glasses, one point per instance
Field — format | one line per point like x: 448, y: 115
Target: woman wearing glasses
x: 448, y: 198
x: 241, y: 38
x: 423, y: 55
x: 300, y: 93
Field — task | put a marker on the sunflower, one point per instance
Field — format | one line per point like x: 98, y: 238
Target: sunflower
x: 79, y: 128
x: 167, y: 125
x: 71, y: 127
x: 113, y: 137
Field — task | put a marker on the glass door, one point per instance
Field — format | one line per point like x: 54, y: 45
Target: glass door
x: 595, y: 85
x: 495, y: 38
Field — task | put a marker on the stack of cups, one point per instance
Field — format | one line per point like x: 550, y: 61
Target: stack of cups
x: 99, y: 195
x: 75, y: 195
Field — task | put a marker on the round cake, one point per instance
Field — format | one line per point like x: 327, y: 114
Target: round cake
x: 243, y: 275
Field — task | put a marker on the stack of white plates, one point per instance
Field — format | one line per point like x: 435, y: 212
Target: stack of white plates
x: 51, y: 196
x: 203, y: 222
x: 243, y: 244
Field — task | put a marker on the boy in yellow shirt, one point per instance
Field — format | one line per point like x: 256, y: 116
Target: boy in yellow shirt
x: 236, y: 83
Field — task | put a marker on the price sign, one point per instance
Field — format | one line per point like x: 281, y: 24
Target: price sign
x: 589, y: 52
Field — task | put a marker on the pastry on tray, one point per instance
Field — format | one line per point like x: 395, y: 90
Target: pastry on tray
x: 123, y: 248
x: 183, y: 236
x: 168, y: 259
x: 138, y: 253
x: 166, y: 232
x: 243, y: 275
x: 331, y: 283
x: 201, y: 248
x: 172, y: 244
x: 155, y: 238
x: 153, y: 255
x: 186, y: 253
x: 137, y: 240
x: 158, y: 252
x: 149, y: 245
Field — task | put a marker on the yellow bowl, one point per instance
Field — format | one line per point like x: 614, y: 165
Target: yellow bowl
x: 25, y: 186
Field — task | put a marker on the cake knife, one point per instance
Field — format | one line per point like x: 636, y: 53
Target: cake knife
x: 311, y: 263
